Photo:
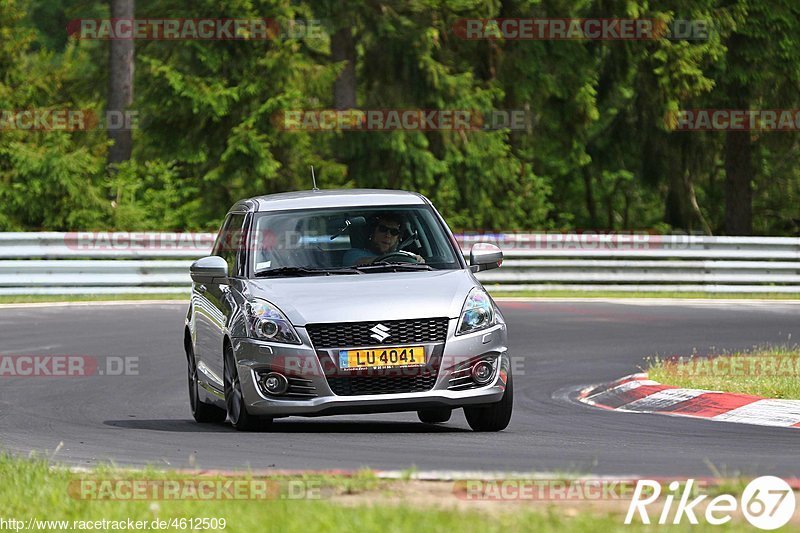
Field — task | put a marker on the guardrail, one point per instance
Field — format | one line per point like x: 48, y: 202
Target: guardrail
x: 87, y: 263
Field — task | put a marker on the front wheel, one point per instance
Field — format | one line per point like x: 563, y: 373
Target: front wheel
x: 234, y: 399
x: 202, y: 412
x: 493, y: 416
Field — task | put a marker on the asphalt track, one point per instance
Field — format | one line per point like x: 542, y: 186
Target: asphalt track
x: 145, y: 418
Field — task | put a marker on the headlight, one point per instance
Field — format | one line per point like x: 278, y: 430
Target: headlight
x: 265, y: 321
x: 477, y: 313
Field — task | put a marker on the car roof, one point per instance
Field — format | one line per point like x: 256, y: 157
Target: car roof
x: 329, y: 198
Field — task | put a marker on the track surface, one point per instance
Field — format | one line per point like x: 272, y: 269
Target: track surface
x: 145, y: 419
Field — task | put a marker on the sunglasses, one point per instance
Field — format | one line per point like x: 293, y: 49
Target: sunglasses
x: 386, y: 229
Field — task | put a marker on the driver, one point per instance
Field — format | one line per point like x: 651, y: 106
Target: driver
x: 383, y: 239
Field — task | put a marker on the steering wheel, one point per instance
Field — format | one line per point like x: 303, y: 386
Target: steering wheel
x: 398, y: 256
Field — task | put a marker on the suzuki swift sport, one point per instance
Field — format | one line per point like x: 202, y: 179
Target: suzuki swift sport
x: 340, y: 302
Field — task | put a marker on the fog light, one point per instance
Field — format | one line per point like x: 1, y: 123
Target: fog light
x: 482, y: 372
x: 275, y: 384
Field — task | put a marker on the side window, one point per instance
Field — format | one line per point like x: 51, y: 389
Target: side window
x: 229, y: 242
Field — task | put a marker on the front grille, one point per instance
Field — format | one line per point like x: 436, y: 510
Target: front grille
x: 301, y: 388
x: 461, y: 378
x: 356, y: 334
x: 358, y: 385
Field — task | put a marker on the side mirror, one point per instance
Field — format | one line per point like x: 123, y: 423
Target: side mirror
x: 211, y: 269
x: 484, y: 256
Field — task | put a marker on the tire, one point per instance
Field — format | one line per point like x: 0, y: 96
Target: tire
x: 202, y: 412
x: 240, y: 419
x: 493, y: 416
x: 436, y: 415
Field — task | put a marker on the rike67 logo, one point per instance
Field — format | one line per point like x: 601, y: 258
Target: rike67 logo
x: 767, y: 502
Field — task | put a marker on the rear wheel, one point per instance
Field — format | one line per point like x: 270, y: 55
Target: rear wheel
x: 436, y: 415
x: 201, y: 411
x: 493, y: 416
x: 234, y: 399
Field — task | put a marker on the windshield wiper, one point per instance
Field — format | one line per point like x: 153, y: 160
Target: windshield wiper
x: 393, y: 266
x: 303, y: 271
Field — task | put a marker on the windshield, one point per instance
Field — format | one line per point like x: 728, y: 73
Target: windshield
x: 364, y: 239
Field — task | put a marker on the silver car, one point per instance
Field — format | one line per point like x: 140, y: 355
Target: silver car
x: 340, y: 302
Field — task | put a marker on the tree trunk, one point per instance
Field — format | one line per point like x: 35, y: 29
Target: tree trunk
x: 343, y: 48
x: 677, y: 212
x: 738, y: 179
x: 591, y: 208
x: 739, y: 172
x: 120, y: 84
x: 698, y: 213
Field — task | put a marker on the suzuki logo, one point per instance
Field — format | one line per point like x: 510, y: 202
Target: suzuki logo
x: 380, y: 333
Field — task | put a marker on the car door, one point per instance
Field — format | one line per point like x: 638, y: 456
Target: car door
x: 213, y: 302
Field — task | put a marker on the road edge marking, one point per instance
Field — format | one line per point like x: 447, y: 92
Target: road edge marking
x: 636, y: 393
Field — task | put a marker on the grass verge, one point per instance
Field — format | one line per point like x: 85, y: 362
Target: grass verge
x: 497, y: 293
x: 34, y: 491
x: 46, y: 298
x: 771, y: 372
x: 37, y: 298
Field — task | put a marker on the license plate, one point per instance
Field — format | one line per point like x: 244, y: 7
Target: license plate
x: 382, y: 357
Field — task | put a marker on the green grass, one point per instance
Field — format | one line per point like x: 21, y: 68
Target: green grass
x: 40, y: 298
x: 36, y: 298
x: 33, y: 489
x: 772, y: 372
x: 498, y: 293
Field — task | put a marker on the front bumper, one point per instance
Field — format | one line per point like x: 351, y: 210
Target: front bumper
x: 303, y: 361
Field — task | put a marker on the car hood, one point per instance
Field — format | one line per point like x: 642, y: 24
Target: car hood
x: 367, y: 297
